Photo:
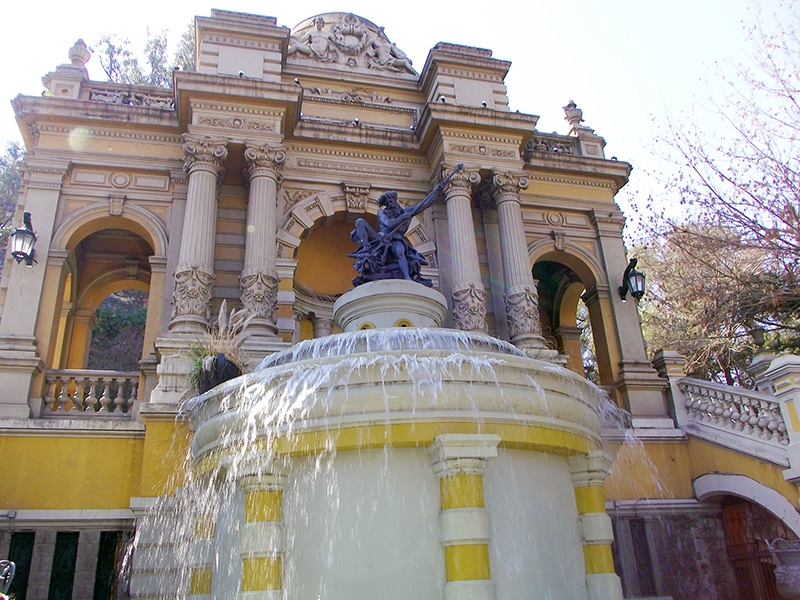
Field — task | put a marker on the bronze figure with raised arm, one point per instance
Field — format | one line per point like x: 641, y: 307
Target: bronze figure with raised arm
x: 385, y: 254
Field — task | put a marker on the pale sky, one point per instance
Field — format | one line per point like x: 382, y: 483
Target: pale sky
x: 626, y: 63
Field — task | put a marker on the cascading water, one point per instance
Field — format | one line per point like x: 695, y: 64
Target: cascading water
x: 395, y: 464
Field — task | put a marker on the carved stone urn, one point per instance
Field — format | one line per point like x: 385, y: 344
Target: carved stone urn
x: 786, y: 555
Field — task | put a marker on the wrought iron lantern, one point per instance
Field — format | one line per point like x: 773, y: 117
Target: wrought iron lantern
x: 23, y: 240
x: 632, y: 281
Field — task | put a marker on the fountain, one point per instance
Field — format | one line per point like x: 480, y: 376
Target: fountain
x: 397, y: 463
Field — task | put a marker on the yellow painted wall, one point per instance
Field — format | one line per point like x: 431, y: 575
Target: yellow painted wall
x: 667, y: 470
x: 166, y: 447
x: 322, y: 261
x: 69, y: 473
x: 710, y: 458
x: 654, y: 470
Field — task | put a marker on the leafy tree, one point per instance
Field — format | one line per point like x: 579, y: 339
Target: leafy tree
x: 118, y: 337
x: 153, y: 67
x: 699, y: 301
x: 730, y: 261
x: 10, y: 187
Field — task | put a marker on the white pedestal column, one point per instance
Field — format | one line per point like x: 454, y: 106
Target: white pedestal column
x: 459, y: 462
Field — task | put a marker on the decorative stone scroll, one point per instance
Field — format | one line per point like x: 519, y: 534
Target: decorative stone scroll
x: 192, y: 293
x: 348, y: 40
x: 266, y: 161
x: 509, y: 184
x: 469, y: 308
x: 207, y: 154
x: 260, y: 293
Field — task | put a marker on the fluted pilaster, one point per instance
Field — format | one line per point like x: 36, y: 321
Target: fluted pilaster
x: 469, y: 295
x: 194, y: 275
x: 521, y: 297
x: 259, y: 278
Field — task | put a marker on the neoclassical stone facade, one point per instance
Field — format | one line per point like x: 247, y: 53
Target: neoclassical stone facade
x: 241, y: 184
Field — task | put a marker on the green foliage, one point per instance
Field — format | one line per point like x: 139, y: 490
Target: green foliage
x: 153, y: 67
x: 118, y: 337
x: 10, y: 187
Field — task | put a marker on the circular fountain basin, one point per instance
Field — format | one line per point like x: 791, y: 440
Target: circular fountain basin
x: 398, y: 387
x: 349, y: 419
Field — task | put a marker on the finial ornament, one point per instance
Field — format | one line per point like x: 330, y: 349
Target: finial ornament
x: 574, y: 115
x: 79, y: 54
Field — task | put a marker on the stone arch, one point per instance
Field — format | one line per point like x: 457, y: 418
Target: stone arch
x: 715, y: 485
x: 564, y: 272
x: 572, y: 255
x: 109, y: 282
x: 90, y: 219
x: 304, y: 215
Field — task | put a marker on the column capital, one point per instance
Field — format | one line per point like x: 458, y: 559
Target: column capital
x: 263, y: 482
x: 590, y: 469
x: 264, y: 160
x: 462, y: 453
x: 204, y: 154
x: 461, y: 183
x: 508, y: 185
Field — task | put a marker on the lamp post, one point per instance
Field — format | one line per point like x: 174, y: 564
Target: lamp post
x: 22, y: 242
x: 632, y: 281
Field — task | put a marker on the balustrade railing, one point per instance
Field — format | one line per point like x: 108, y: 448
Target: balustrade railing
x: 749, y: 415
x: 75, y: 393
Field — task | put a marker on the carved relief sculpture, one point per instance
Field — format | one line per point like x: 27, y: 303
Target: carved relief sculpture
x: 469, y: 308
x: 383, y: 54
x: 192, y: 293
x: 260, y: 293
x: 350, y: 41
x: 522, y: 308
x: 317, y: 44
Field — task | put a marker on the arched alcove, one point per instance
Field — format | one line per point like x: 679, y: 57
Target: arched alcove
x: 102, y: 263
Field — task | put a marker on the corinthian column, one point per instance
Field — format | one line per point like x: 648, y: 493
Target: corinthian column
x: 194, y: 275
x: 522, y: 299
x: 469, y: 295
x: 259, y: 278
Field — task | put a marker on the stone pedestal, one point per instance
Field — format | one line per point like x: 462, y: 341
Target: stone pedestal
x: 389, y: 303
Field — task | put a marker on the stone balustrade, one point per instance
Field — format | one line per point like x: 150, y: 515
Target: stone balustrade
x: 713, y: 410
x: 75, y: 393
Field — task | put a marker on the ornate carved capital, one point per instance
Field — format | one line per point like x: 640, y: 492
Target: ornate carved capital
x: 260, y: 293
x: 522, y: 308
x: 469, y: 308
x: 507, y: 186
x: 461, y: 183
x: 204, y: 153
x: 264, y: 161
x: 192, y: 294
x: 356, y: 193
